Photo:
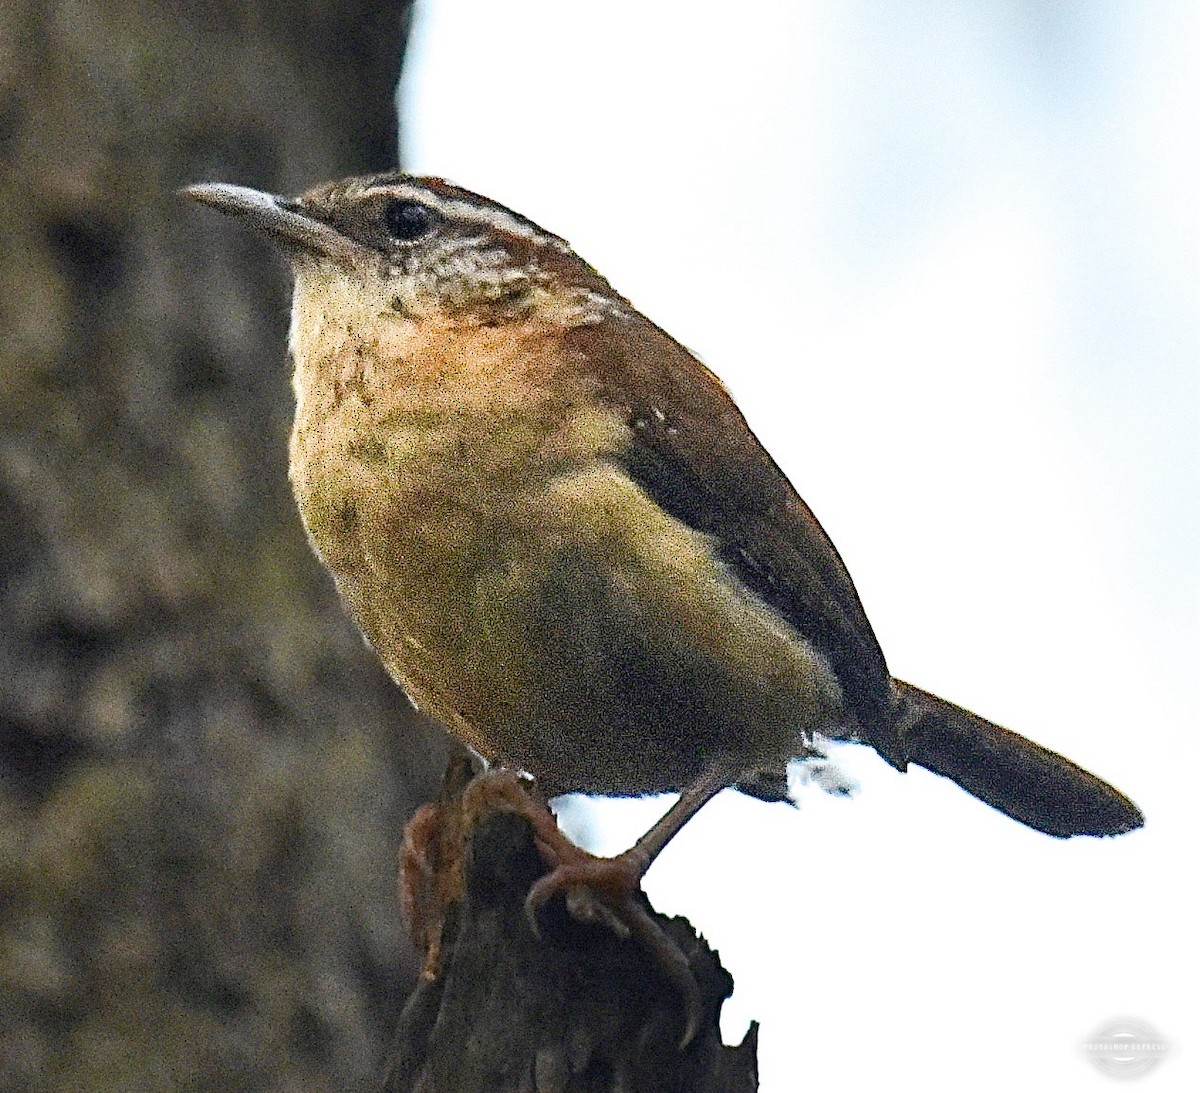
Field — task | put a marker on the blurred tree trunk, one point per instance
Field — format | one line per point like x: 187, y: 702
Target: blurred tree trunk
x: 203, y: 772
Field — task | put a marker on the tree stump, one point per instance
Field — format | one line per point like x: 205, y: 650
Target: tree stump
x: 577, y: 1009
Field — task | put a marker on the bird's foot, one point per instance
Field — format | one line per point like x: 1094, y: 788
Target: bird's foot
x: 608, y: 891
x: 596, y: 891
x: 430, y: 878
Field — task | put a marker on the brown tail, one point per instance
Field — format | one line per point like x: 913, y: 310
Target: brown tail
x: 1020, y: 778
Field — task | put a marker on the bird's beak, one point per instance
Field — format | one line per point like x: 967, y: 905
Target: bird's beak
x: 284, y: 221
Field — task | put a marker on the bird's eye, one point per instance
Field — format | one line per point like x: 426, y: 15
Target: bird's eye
x: 407, y: 220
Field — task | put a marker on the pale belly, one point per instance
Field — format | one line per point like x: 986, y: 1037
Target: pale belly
x: 573, y: 630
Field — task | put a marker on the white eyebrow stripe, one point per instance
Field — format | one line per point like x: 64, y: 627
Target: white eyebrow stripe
x: 485, y: 213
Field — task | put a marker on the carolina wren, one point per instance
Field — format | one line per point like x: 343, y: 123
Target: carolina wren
x: 561, y: 536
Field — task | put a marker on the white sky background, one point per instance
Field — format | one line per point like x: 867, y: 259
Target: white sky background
x: 947, y: 257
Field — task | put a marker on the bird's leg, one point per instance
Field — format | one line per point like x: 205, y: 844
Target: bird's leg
x: 607, y: 889
x: 622, y: 875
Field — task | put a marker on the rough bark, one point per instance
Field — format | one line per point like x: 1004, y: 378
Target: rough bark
x: 203, y: 772
x: 577, y: 1010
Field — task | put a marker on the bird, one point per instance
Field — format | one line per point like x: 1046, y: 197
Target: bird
x: 562, y: 537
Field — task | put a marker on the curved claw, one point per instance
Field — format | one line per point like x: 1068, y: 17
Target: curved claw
x: 604, y: 890
x: 611, y: 882
x: 583, y: 904
x: 674, y: 963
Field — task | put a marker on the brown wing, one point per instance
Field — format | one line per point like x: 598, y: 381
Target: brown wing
x: 693, y: 452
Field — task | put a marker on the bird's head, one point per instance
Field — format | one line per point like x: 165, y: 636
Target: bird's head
x: 420, y: 247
